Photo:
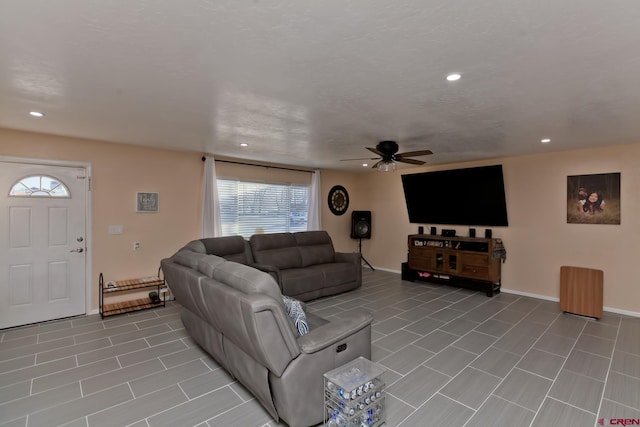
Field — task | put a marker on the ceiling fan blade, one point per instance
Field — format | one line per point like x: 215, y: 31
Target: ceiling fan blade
x: 415, y: 153
x: 411, y: 161
x: 361, y: 158
x: 375, y: 150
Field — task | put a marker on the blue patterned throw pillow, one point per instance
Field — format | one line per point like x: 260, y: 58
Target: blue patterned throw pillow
x: 294, y: 310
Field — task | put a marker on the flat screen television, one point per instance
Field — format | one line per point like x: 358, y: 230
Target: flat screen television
x: 470, y: 196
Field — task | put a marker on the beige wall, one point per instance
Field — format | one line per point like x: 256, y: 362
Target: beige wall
x: 538, y: 239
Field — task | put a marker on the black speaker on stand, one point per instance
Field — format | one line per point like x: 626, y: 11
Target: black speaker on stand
x: 361, y: 229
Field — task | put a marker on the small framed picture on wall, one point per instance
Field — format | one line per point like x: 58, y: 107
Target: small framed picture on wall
x: 147, y: 202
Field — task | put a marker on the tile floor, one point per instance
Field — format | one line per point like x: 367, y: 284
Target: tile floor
x: 453, y: 357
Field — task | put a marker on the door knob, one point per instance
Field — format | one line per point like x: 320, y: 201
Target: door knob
x: 79, y: 250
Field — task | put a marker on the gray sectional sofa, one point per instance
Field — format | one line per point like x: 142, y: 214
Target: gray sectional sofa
x: 236, y: 313
x: 304, y: 264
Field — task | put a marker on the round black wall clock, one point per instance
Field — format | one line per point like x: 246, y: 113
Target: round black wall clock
x: 338, y: 200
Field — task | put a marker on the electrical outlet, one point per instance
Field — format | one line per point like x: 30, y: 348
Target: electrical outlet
x: 136, y: 246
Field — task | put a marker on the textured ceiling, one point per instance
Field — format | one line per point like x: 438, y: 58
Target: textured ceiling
x: 309, y: 83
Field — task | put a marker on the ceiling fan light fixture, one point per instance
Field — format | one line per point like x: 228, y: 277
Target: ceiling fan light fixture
x: 389, y: 166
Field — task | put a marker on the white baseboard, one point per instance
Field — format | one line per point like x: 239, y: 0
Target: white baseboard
x: 624, y: 312
x: 387, y: 269
x: 528, y: 294
x: 543, y: 297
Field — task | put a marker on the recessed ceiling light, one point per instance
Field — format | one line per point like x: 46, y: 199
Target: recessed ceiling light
x: 545, y: 140
x: 453, y: 77
x: 364, y: 165
x: 244, y: 144
x: 36, y: 113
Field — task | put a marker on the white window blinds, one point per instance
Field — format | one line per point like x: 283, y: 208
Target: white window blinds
x: 248, y: 208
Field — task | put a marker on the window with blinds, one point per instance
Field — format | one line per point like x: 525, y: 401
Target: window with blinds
x: 248, y: 208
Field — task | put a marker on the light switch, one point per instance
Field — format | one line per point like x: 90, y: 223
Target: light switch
x: 116, y: 229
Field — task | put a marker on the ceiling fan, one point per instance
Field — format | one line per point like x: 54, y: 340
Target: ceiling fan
x: 387, y: 151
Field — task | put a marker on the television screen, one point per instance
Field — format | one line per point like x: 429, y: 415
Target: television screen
x: 470, y: 196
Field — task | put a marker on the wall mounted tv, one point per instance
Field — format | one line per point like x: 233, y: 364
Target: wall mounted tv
x: 470, y: 196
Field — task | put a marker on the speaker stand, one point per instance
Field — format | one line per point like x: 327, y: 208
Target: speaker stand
x: 362, y: 256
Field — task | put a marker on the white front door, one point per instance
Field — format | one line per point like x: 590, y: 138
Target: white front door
x: 42, y: 243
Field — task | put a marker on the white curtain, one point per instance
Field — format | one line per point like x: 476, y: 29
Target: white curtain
x: 211, y: 225
x: 314, y: 215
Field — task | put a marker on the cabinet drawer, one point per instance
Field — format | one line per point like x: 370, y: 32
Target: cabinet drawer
x: 475, y: 271
x: 420, y: 263
x: 475, y: 259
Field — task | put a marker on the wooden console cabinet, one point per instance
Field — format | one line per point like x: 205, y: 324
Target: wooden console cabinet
x: 462, y: 261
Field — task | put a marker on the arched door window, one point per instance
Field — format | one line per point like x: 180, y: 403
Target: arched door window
x: 39, y: 186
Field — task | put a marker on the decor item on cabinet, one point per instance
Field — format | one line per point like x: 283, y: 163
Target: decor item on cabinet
x: 338, y: 200
x: 434, y: 231
x: 421, y: 230
x: 499, y: 251
x: 593, y: 199
x: 472, y: 232
x: 147, y: 202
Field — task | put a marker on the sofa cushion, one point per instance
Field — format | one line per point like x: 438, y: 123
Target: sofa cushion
x: 188, y: 258
x: 196, y: 246
x: 317, y: 254
x: 296, y: 281
x: 296, y: 313
x: 277, y: 249
x: 208, y: 263
x: 232, y: 248
x: 247, y: 279
x: 315, y: 247
x: 337, y: 273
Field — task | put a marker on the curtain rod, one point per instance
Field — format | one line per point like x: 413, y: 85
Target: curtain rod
x: 262, y: 166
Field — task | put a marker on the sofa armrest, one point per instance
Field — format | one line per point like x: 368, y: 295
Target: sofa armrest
x: 272, y: 270
x: 350, y: 257
x: 353, y: 257
x: 356, y: 259
x: 333, y: 332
